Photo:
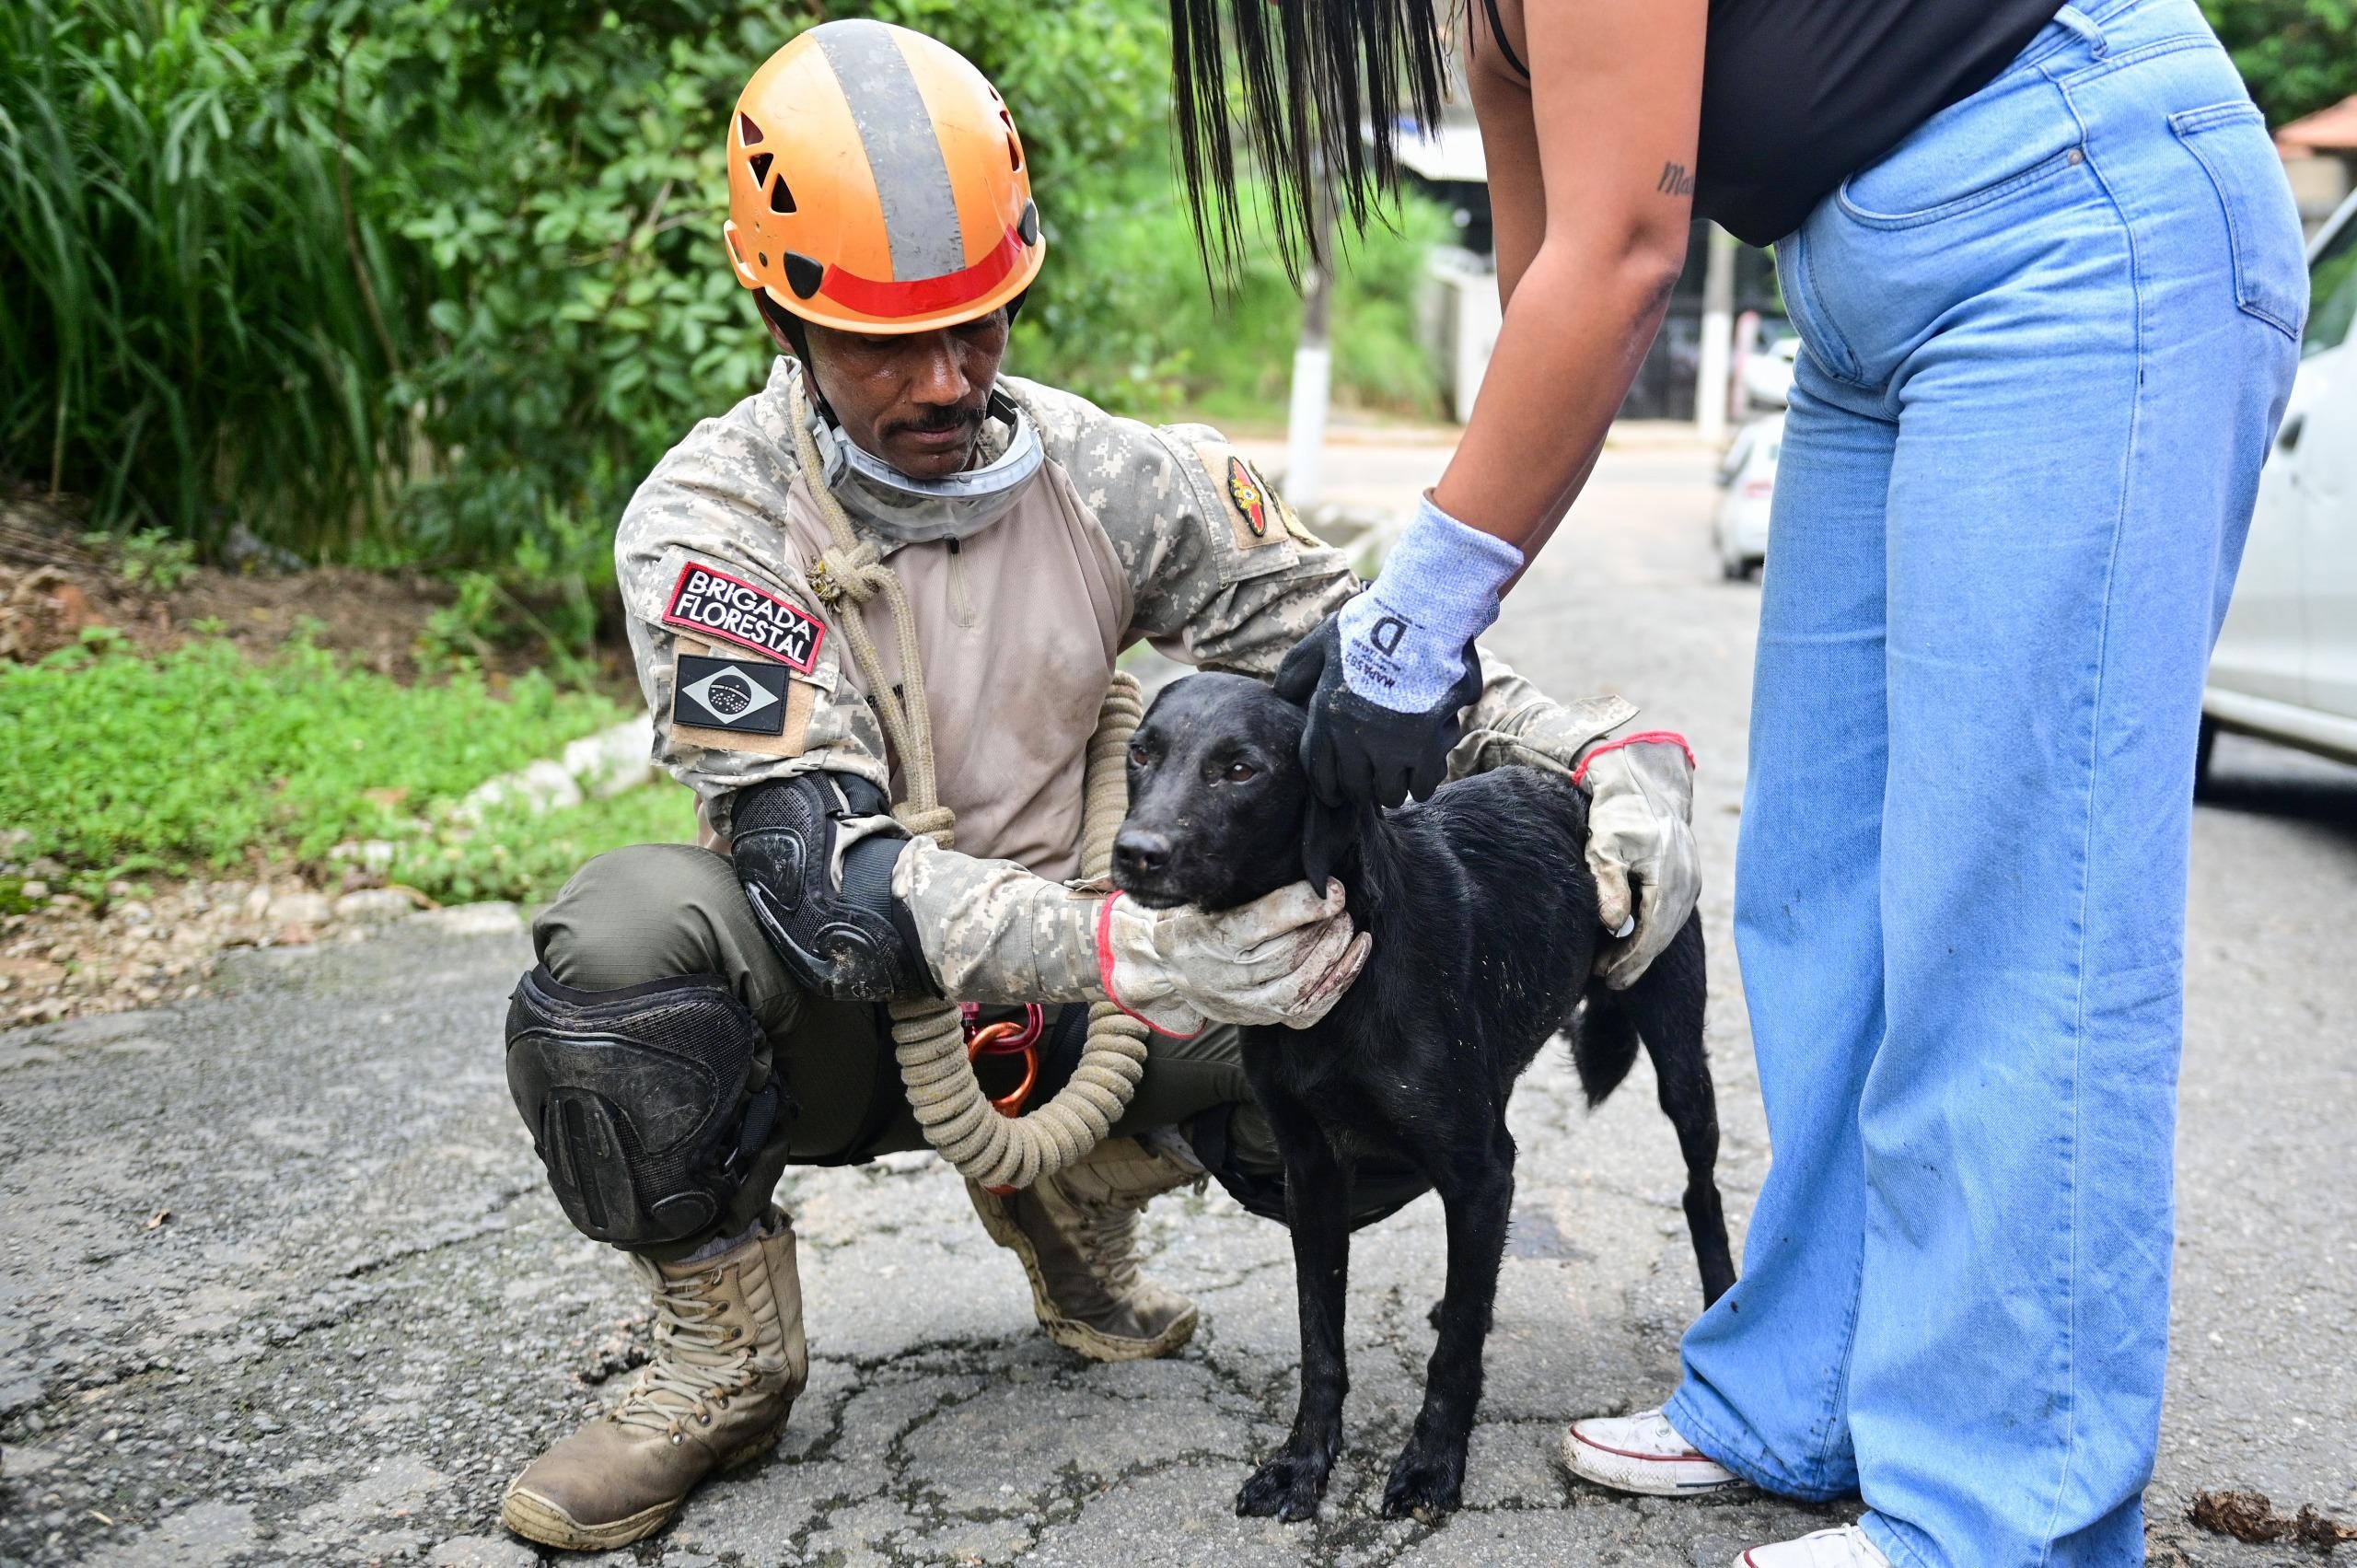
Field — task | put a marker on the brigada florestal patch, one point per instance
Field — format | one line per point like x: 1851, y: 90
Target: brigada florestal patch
x: 708, y: 600
x: 729, y: 693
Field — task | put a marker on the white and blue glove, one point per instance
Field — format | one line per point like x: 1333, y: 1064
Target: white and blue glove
x: 1385, y: 677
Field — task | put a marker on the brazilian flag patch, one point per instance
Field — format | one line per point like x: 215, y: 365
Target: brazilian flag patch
x: 726, y: 693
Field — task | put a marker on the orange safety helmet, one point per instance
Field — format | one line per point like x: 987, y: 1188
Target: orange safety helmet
x: 875, y: 183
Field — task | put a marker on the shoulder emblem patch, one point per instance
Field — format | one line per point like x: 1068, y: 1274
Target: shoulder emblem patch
x: 727, y: 693
x: 710, y: 603
x: 1251, y: 497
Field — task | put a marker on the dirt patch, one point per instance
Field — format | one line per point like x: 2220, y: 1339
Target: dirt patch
x: 52, y: 587
x: 2251, y: 1516
x: 374, y: 616
x: 54, y: 584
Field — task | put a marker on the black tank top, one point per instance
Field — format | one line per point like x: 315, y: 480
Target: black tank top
x: 1799, y: 94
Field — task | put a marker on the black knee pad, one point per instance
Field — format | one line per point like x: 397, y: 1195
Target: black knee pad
x: 637, y: 1101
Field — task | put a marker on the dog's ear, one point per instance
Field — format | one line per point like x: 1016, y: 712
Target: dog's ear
x: 1329, y: 838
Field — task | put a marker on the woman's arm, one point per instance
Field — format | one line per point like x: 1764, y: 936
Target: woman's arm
x: 1591, y: 170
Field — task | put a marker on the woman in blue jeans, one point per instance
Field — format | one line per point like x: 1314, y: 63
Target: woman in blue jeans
x: 2048, y: 276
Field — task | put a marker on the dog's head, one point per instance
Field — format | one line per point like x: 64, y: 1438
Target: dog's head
x: 1217, y: 797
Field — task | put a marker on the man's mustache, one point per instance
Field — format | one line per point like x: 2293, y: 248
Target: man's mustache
x: 940, y: 420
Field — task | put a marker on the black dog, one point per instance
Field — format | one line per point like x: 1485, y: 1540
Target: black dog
x: 1484, y: 919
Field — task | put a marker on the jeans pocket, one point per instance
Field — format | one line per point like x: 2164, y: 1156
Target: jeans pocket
x: 2231, y: 144
x: 1797, y: 284
x: 1853, y: 192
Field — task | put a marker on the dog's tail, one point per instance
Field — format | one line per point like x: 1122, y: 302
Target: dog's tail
x: 1664, y: 1008
x: 1604, y: 1043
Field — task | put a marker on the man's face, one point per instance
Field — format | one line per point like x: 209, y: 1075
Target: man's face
x: 913, y: 399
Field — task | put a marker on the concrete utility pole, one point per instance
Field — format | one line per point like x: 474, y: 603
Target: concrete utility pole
x: 1711, y: 383
x: 1313, y: 374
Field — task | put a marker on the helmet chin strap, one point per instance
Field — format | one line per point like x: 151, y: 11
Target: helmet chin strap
x: 909, y: 510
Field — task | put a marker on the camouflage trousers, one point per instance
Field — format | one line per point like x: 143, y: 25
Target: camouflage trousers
x: 661, y: 912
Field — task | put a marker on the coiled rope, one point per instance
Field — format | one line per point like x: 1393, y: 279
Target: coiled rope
x: 929, y: 1037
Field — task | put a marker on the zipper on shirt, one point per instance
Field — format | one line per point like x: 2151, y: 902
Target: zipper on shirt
x: 961, y: 603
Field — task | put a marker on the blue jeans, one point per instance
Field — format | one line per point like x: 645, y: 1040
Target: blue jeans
x: 2048, y: 340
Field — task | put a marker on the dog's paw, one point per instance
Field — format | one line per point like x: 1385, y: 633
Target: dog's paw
x: 1426, y: 1483
x: 1287, y: 1486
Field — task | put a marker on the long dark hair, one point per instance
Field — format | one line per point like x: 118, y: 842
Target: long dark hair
x: 1324, y: 83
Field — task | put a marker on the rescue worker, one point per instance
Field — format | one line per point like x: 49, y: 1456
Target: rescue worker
x: 703, y: 1016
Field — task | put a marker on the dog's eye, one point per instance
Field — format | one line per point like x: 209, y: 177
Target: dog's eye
x: 1140, y: 756
x: 1241, y: 773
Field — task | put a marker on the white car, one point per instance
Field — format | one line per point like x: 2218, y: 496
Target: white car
x: 1767, y: 372
x: 1747, y: 474
x: 2286, y: 662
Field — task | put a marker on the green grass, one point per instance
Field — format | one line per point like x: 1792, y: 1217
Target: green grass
x: 528, y: 858
x: 205, y: 760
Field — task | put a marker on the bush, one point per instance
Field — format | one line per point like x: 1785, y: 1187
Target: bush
x: 403, y: 280
x: 187, y: 295
x: 1132, y: 324
x: 2296, y: 55
x: 528, y: 858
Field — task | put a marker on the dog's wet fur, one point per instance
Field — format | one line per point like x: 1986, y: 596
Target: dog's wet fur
x: 1484, y: 914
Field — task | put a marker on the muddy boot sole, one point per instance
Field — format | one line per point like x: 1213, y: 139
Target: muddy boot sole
x: 538, y: 1520
x: 544, y: 1524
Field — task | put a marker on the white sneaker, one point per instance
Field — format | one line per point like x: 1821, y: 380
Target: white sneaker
x: 1642, y: 1453
x: 1845, y: 1547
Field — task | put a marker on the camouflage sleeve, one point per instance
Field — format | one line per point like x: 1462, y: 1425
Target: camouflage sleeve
x: 1512, y: 721
x: 993, y: 932
x: 739, y: 663
x: 1222, y: 574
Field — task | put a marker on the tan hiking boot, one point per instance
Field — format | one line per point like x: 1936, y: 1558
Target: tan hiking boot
x: 1075, y: 1233
x: 729, y: 1359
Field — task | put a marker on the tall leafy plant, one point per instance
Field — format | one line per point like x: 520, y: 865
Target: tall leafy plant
x: 189, y: 326
x: 439, y: 281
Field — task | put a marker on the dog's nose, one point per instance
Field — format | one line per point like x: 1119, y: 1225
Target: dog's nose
x: 1141, y: 851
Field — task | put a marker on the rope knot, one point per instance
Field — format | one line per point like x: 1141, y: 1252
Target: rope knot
x: 853, y: 574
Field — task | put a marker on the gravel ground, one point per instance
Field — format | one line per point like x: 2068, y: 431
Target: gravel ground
x: 64, y: 958
x: 279, y: 1282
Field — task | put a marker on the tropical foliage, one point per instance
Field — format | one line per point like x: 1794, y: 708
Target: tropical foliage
x: 438, y: 282
x: 2298, y: 55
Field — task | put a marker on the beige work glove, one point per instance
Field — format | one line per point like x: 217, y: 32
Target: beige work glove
x: 1640, y: 845
x: 1285, y: 958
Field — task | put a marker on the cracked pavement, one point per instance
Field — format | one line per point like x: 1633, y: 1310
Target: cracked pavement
x: 363, y: 1314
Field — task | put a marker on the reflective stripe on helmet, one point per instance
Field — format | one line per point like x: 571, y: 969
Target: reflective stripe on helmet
x: 903, y: 152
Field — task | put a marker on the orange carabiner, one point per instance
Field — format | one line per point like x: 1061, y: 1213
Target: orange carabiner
x: 1008, y: 1040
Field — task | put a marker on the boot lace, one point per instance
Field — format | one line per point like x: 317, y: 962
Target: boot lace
x: 700, y: 1359
x: 1111, y: 1229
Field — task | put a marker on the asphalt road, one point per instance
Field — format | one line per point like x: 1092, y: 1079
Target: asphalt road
x: 279, y: 1282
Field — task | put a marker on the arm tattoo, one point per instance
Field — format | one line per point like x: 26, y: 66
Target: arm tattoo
x: 1674, y: 180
